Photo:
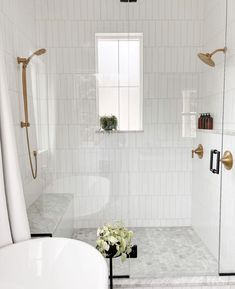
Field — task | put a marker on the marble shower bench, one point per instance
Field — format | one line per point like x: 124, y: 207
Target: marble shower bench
x: 51, y: 215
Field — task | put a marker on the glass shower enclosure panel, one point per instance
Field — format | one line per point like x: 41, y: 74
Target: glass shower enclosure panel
x: 136, y: 62
x: 91, y: 162
x: 174, y: 206
x: 206, y: 174
x: 227, y: 226
x: 111, y: 143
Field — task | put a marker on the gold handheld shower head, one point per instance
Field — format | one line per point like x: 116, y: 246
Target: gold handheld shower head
x: 207, y: 57
x: 40, y: 51
x: 37, y: 53
x: 26, y: 61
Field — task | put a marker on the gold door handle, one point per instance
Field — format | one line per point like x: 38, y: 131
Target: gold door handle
x: 227, y: 160
x: 198, y: 151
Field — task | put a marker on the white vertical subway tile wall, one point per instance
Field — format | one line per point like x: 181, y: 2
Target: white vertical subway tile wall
x: 18, y: 38
x: 145, y: 178
x: 205, y: 185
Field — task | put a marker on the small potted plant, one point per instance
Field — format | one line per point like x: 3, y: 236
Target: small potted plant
x: 108, y: 123
x: 114, y: 241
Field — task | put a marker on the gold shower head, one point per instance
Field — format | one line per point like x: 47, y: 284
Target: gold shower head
x: 26, y: 61
x: 40, y: 51
x: 207, y: 57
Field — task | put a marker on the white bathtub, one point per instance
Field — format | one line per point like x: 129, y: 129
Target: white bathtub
x: 52, y: 263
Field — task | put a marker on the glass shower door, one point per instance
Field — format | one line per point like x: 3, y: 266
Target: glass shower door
x: 111, y: 53
x: 227, y: 221
x: 174, y: 198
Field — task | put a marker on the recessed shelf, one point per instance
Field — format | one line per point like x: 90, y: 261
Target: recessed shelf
x: 217, y: 131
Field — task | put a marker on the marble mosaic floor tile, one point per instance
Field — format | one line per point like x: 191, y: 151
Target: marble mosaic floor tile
x: 162, y: 252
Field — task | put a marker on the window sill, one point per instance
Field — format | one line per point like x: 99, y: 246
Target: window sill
x: 119, y: 131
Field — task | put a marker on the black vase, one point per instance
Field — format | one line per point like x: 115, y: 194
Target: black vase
x: 112, y: 252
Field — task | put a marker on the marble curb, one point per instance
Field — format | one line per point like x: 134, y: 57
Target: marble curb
x: 176, y: 282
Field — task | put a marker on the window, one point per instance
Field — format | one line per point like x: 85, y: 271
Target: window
x: 119, y: 70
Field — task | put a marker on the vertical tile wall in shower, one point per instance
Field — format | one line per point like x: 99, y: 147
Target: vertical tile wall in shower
x: 18, y: 38
x: 153, y: 168
x: 206, y: 186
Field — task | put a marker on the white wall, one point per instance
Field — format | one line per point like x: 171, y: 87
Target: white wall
x: 17, y: 36
x: 149, y: 174
x: 206, y: 186
x: 146, y: 179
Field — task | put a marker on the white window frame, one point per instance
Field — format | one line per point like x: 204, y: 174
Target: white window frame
x: 122, y: 36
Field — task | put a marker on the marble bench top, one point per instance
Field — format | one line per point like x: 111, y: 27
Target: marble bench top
x: 46, y: 212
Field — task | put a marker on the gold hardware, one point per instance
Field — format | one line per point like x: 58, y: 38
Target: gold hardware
x: 21, y: 60
x: 207, y: 57
x: 198, y: 151
x: 25, y: 61
x: 25, y: 124
x: 227, y: 160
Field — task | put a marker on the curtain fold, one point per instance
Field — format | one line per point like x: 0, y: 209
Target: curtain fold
x: 5, y: 230
x: 11, y: 189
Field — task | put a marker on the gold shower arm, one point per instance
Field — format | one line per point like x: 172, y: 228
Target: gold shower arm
x: 218, y: 50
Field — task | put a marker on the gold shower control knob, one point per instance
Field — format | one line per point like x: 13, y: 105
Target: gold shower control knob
x: 198, y: 151
x: 227, y: 160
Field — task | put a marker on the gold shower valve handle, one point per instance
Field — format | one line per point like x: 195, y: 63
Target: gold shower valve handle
x: 198, y: 151
x: 227, y: 160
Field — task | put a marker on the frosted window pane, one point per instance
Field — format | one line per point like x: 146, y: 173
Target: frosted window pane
x: 124, y: 111
x: 129, y: 58
x: 134, y: 63
x: 119, y: 85
x: 108, y: 63
x: 134, y: 109
x: 108, y: 101
x: 124, y: 63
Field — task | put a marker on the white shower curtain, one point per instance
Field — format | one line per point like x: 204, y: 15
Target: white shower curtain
x: 14, y: 225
